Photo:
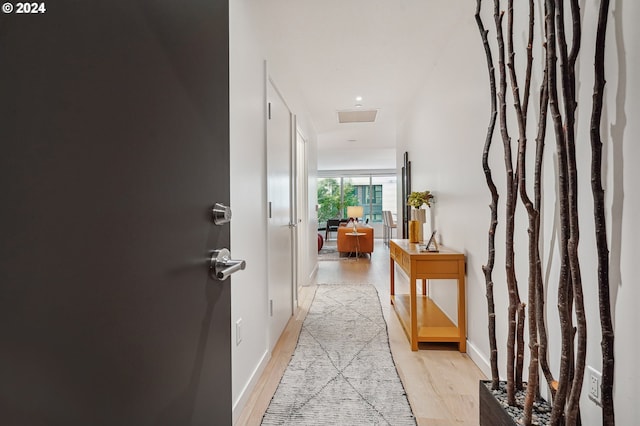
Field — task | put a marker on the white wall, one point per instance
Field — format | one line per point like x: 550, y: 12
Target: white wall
x: 248, y: 201
x: 248, y: 194
x: 347, y: 158
x: 444, y: 135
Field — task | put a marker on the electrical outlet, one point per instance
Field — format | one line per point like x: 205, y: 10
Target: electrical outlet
x: 238, y: 331
x: 594, y: 382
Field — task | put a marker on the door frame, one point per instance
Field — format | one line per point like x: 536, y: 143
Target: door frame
x: 301, y: 196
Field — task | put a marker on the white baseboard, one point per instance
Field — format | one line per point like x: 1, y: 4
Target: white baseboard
x: 312, y: 275
x: 240, y: 403
x: 479, y: 359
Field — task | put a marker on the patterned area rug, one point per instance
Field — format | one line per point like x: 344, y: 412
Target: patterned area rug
x: 342, y: 371
x: 331, y: 253
x: 328, y: 253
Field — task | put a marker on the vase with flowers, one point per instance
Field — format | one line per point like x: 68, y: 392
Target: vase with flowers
x: 418, y: 215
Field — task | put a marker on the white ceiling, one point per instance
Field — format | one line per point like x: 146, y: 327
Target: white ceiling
x: 325, y: 53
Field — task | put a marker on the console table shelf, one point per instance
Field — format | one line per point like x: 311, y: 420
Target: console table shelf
x: 439, y: 328
x: 421, y: 318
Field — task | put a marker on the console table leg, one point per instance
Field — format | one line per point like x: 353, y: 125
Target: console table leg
x: 462, y: 314
x: 392, y: 275
x: 414, y: 313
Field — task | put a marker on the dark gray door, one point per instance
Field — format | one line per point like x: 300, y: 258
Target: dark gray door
x: 114, y: 129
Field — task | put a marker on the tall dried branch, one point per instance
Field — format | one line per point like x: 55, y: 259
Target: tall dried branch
x: 567, y: 98
x: 567, y: 66
x: 540, y: 298
x: 520, y: 318
x: 488, y: 268
x: 532, y: 379
x: 521, y: 108
x: 608, y: 417
x: 557, y: 413
x: 510, y: 216
x: 537, y: 189
x: 527, y: 75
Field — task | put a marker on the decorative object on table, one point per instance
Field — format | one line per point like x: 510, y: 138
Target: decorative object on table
x: 354, y: 213
x: 416, y: 200
x: 342, y: 371
x: 414, y: 231
x: 432, y: 244
x: 420, y: 216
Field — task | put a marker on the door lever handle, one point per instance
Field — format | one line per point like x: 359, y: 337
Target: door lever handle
x: 222, y: 266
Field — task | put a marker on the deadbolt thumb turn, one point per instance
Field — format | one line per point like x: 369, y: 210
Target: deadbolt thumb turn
x: 221, y: 214
x: 222, y: 266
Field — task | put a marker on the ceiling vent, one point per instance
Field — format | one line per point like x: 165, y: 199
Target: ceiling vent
x: 358, y: 116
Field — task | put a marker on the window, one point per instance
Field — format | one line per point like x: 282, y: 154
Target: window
x: 374, y: 192
x: 370, y: 196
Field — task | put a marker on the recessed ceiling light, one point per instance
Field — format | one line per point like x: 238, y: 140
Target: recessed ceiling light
x: 358, y: 105
x: 358, y: 98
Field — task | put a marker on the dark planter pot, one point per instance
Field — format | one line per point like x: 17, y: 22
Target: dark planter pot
x: 491, y: 412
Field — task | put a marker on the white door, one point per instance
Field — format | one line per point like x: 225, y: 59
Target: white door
x: 279, y: 190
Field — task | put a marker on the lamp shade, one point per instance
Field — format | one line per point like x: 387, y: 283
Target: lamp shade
x: 355, y: 211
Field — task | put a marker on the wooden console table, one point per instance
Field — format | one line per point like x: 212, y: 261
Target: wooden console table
x: 422, y: 319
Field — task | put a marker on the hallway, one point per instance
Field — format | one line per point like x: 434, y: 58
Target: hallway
x: 441, y: 383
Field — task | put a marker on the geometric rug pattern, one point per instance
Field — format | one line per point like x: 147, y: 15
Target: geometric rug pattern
x: 332, y: 253
x: 342, y: 371
x: 328, y: 253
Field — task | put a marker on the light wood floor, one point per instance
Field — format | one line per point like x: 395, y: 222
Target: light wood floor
x: 441, y: 383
